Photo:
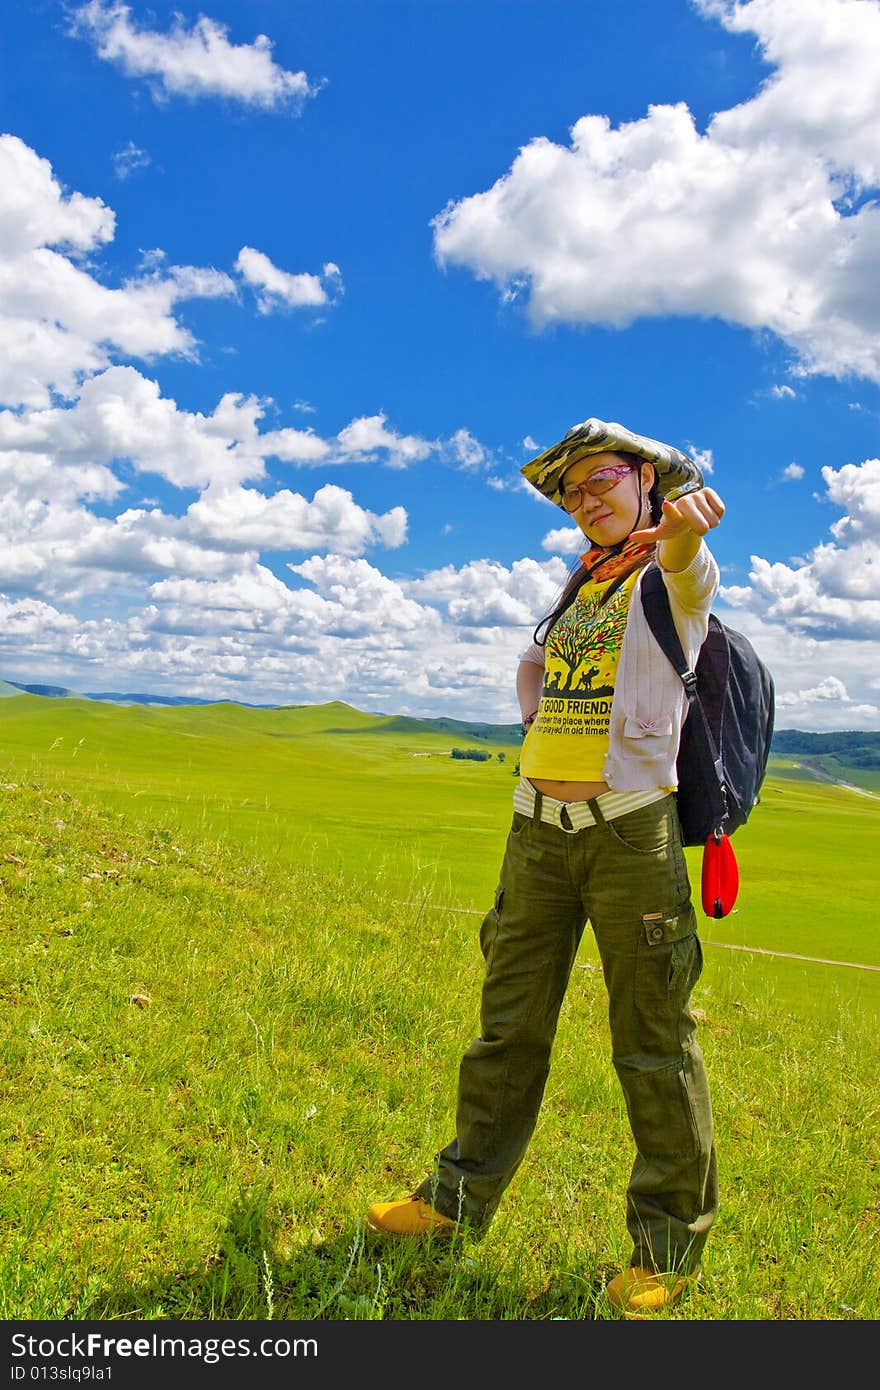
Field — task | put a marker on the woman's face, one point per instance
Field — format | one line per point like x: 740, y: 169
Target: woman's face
x: 609, y: 518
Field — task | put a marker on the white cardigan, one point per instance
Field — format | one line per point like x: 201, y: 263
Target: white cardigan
x: 649, y: 704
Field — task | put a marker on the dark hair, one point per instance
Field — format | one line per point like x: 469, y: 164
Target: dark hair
x: 579, y: 574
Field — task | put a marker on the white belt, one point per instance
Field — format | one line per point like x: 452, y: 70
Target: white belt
x: 578, y: 814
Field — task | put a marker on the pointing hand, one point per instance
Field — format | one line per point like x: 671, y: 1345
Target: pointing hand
x: 696, y: 511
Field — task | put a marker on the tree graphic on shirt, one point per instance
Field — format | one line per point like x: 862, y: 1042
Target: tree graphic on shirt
x: 587, y: 632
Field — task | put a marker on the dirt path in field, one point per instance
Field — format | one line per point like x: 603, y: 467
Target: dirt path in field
x: 722, y: 945
x: 823, y: 776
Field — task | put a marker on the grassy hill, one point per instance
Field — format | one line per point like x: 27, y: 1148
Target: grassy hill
x: 294, y: 783
x: 214, y: 1061
x: 331, y: 788
x: 845, y: 757
x: 849, y: 757
x: 240, y: 964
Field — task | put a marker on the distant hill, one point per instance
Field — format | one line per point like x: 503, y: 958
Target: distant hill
x: 855, y: 747
x: 398, y: 723
x: 53, y: 692
x: 117, y: 698
x: 462, y: 728
x: 61, y: 692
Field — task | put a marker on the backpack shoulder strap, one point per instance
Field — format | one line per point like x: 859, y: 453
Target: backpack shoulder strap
x: 655, y: 602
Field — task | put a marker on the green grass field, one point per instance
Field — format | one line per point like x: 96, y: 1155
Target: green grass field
x: 330, y: 788
x: 240, y: 965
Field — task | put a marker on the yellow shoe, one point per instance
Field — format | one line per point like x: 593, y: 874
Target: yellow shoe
x: 637, y: 1291
x: 410, y: 1217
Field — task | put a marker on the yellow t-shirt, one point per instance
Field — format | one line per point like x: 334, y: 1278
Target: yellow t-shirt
x: 568, y: 740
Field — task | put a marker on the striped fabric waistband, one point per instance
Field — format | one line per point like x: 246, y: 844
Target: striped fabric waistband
x: 577, y: 815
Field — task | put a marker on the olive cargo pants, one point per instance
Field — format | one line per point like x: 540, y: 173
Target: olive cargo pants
x: 628, y: 878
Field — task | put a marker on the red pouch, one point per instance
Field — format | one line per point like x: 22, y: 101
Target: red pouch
x: 720, y: 878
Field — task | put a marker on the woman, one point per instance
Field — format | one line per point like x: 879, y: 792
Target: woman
x: 595, y: 837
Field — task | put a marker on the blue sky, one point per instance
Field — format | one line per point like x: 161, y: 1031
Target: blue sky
x: 289, y: 292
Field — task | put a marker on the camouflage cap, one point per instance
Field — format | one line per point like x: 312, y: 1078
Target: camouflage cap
x: 677, y: 474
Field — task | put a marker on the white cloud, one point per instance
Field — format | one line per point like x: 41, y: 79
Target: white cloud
x: 296, y: 446
x: 484, y: 593
x: 468, y: 452
x: 792, y: 472
x: 350, y: 635
x: 130, y: 158
x: 195, y: 62
x: 566, y: 540
x: 121, y: 414
x: 702, y: 458
x: 361, y: 601
x: 469, y: 675
x: 829, y: 689
x: 36, y: 212
x: 54, y: 463
x: 29, y: 618
x: 783, y: 393
x: 251, y: 598
x: 757, y: 222
x: 138, y: 544
x: 834, y: 593
x: 243, y: 518
x: 55, y: 548
x: 798, y: 660
x: 363, y: 438
x: 58, y: 549
x: 826, y: 705
x: 822, y: 95
x: 821, y: 614
x: 58, y: 322
x: 856, y: 488
x: 828, y: 596
x: 279, y: 289
x: 530, y: 445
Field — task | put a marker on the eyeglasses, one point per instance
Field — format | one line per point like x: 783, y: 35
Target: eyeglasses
x: 603, y: 480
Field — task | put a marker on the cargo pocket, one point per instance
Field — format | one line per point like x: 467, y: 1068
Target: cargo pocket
x: 661, y: 1112
x: 489, y: 925
x: 669, y: 959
